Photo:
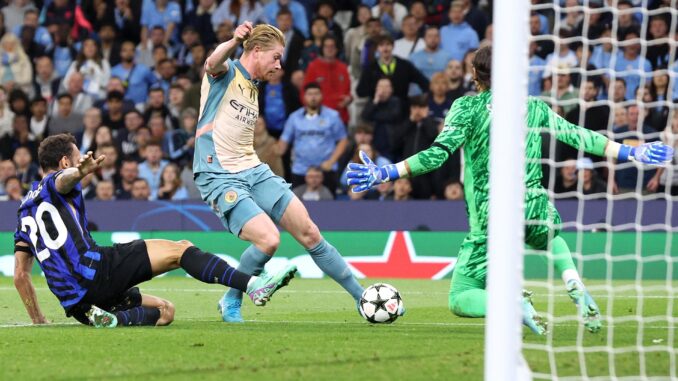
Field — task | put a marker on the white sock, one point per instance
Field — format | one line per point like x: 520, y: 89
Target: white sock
x: 570, y: 274
x: 252, y: 280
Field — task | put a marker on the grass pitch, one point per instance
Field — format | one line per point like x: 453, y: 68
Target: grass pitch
x: 311, y: 331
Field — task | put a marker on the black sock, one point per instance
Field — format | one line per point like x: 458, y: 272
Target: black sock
x: 138, y: 316
x: 209, y: 268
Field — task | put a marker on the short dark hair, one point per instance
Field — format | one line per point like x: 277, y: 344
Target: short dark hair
x: 64, y: 95
x: 115, y: 94
x: 284, y: 11
x: 385, y: 39
x: 53, y: 149
x: 311, y: 85
x: 38, y: 99
x: 419, y: 100
x: 482, y: 62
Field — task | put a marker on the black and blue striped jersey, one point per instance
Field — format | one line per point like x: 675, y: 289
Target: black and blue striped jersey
x: 55, y: 227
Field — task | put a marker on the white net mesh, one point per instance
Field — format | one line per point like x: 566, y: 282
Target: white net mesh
x: 613, y: 70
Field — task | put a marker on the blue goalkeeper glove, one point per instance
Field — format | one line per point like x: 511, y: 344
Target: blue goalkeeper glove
x: 368, y: 175
x: 649, y: 153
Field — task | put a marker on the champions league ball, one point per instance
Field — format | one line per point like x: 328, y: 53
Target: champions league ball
x: 380, y: 303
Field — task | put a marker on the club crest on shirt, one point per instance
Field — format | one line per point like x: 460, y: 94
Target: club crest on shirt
x: 230, y: 197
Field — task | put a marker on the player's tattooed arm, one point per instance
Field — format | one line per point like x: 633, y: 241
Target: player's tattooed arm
x: 69, y: 177
x: 216, y: 63
x: 23, y: 264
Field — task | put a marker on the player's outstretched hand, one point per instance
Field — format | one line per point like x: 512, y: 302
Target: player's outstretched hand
x: 652, y: 153
x: 243, y: 31
x: 89, y: 164
x: 365, y: 176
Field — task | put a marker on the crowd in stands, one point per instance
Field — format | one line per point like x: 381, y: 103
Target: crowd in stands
x: 124, y: 77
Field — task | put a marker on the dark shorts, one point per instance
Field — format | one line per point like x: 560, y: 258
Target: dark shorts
x: 122, y: 267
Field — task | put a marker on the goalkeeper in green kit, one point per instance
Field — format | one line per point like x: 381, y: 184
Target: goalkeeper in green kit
x: 468, y: 124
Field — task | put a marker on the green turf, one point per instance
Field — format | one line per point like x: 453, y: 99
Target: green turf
x: 311, y: 331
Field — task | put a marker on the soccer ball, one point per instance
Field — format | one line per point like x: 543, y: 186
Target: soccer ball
x: 380, y: 303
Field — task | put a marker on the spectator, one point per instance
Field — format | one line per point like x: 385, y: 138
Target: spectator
x: 297, y: 10
x: 536, y: 73
x: 141, y: 190
x: 46, y: 82
x: 129, y: 171
x: 619, y: 91
x: 410, y: 42
x: 110, y: 45
x: 625, y: 19
x: 180, y: 142
x: 659, y: 54
x: 16, y: 71
x: 564, y: 94
x: 200, y: 18
x: 355, y: 37
x: 602, y: 53
x: 95, y: 70
x: 136, y: 78
x: 88, y: 187
x: 312, y: 46
x: 175, y: 101
x: 294, y: 41
x: 422, y: 17
x: 109, y: 167
x: 14, y: 12
x: 630, y: 62
x: 363, y: 134
x: 127, y: 21
x: 62, y: 52
x: 318, y: 136
x: 440, y: 99
x: 563, y: 58
x: 189, y: 37
x: 115, y: 84
x: 141, y: 139
x: 146, y: 50
x: 658, y: 114
x: 332, y: 76
x: 590, y: 183
x: 313, y: 188
x: 454, y: 191
x: 156, y: 105
x: 64, y: 12
x: 41, y: 35
x: 39, y: 118
x: 238, y: 11
x: 103, y: 136
x: 402, y: 190
x: 26, y: 169
x: 84, y: 138
x: 113, y: 115
x: 65, y: 120
x: 27, y: 40
x: 126, y: 138
x: 151, y: 168
x: 327, y: 9
x: 401, y: 72
x: 20, y: 136
x: 432, y: 59
x: 666, y: 178
x: 7, y: 170
x: 18, y: 102
x: 265, y: 148
x: 278, y: 98
x: 171, y: 187
x: 105, y: 191
x: 384, y: 111
x: 415, y: 134
x: 567, y: 181
x: 476, y: 18
x: 81, y: 100
x: 391, y: 15
x: 458, y: 37
x: 13, y: 189
x: 165, y: 70
x: 160, y: 13
x: 6, y: 115
x: 588, y: 115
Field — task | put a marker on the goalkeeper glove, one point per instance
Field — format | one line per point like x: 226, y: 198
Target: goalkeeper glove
x: 368, y: 175
x: 649, y: 153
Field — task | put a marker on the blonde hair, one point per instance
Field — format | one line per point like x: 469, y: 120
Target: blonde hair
x: 265, y: 36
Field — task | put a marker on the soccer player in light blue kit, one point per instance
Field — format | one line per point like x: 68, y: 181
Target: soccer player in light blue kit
x: 248, y: 198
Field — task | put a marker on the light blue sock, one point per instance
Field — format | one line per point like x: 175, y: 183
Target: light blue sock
x: 331, y: 263
x: 252, y: 262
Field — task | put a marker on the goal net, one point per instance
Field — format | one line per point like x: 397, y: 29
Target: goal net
x: 609, y: 66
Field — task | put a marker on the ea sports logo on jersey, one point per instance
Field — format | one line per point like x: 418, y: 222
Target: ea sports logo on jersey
x: 230, y: 197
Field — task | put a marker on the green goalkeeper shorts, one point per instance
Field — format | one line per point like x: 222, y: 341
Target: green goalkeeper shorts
x: 542, y: 224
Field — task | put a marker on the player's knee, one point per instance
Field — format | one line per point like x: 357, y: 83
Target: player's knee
x: 166, y: 313
x: 310, y: 235
x: 269, y: 242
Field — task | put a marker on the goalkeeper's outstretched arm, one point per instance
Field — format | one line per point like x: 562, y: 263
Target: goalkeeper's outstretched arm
x: 594, y: 142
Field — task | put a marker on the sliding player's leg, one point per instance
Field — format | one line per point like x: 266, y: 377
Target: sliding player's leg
x: 468, y: 297
x: 298, y: 223
x: 543, y: 234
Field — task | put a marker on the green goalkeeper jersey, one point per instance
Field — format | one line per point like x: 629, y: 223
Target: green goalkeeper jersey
x: 467, y: 124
